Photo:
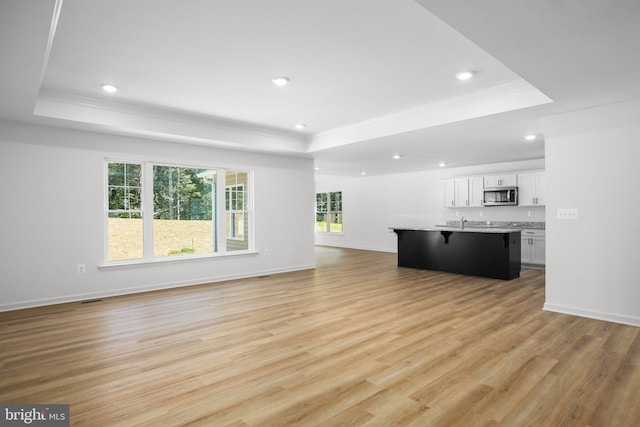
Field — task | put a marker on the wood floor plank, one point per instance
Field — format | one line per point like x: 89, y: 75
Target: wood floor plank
x: 357, y: 341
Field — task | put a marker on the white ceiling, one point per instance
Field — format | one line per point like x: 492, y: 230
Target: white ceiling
x: 369, y: 78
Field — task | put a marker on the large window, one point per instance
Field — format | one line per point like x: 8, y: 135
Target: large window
x: 329, y: 212
x: 160, y: 211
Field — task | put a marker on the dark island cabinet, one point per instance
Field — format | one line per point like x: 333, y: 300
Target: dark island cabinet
x: 487, y: 254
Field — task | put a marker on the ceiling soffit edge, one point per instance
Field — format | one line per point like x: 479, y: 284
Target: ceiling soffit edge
x: 57, y: 9
x: 142, y: 120
x: 498, y: 99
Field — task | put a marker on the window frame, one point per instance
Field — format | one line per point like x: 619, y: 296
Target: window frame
x: 109, y: 211
x: 328, y: 213
x: 235, y: 211
x: 219, y: 247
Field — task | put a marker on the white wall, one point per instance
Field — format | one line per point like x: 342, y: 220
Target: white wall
x: 373, y: 204
x: 592, y: 161
x: 51, y: 216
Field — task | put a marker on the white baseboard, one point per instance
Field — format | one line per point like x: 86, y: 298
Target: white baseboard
x: 593, y: 314
x: 533, y: 266
x: 155, y: 287
x: 361, y: 248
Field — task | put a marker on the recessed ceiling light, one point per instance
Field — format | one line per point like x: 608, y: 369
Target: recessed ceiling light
x: 300, y: 126
x: 281, y: 81
x: 316, y: 168
x: 530, y: 137
x: 465, y: 75
x: 363, y: 173
x: 108, y: 87
x: 397, y: 156
x: 442, y: 164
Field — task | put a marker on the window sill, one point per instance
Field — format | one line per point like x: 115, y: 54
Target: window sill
x: 172, y: 259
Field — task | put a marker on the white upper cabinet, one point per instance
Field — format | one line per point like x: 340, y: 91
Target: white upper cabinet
x: 463, y: 192
x: 531, y: 189
x: 476, y: 191
x: 449, y: 193
x: 501, y: 180
x: 540, y: 189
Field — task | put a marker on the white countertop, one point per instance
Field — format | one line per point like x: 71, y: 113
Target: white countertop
x: 465, y: 230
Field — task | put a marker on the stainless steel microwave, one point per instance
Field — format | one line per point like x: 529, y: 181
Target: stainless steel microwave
x: 500, y: 196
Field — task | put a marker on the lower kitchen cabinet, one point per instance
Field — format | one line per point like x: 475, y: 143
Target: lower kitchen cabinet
x: 533, y: 247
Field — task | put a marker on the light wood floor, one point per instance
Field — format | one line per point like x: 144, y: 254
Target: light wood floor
x: 355, y: 342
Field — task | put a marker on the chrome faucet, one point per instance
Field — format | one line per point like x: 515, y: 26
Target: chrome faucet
x: 462, y: 221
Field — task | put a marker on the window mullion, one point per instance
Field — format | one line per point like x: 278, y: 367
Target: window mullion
x: 106, y: 212
x: 147, y: 209
x: 222, y: 211
x: 248, y: 207
x: 328, y: 226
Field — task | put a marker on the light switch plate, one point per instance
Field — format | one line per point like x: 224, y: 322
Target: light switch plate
x: 568, y: 213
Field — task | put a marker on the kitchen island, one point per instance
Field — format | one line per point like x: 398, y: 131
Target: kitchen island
x: 486, y: 252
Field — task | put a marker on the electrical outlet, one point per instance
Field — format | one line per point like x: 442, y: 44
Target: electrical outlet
x: 266, y: 252
x: 481, y: 214
x: 81, y: 268
x: 567, y: 213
